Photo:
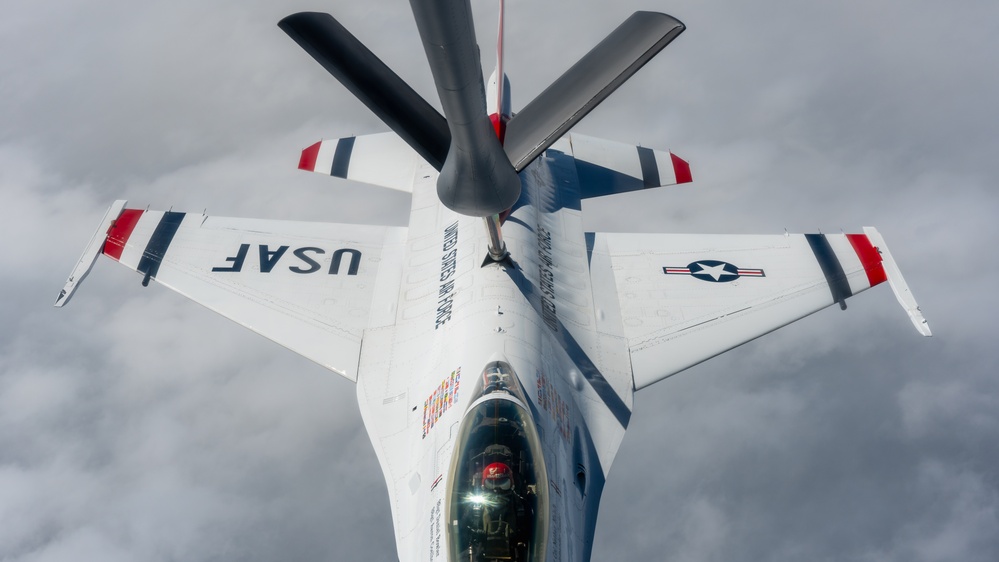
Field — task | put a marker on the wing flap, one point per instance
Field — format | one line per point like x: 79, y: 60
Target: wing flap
x: 686, y: 298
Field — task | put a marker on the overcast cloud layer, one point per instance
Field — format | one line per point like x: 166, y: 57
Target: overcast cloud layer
x: 135, y: 425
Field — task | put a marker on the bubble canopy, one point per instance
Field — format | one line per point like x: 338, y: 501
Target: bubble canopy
x: 497, y: 505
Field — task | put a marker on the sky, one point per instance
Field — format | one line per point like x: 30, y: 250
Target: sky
x: 135, y: 425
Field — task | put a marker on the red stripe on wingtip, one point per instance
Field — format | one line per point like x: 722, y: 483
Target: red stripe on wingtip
x: 120, y: 231
x: 870, y: 258
x: 309, y: 155
x: 681, y: 169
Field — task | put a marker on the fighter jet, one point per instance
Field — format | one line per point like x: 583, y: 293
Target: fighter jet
x: 495, y: 345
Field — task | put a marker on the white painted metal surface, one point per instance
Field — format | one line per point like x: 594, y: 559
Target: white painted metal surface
x: 418, y: 317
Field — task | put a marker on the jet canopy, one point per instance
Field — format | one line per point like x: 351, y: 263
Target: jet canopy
x: 498, y: 497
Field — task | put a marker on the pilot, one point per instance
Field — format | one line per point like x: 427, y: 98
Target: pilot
x: 498, y: 518
x: 497, y: 477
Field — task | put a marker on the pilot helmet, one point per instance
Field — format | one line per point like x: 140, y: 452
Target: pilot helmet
x: 497, y: 476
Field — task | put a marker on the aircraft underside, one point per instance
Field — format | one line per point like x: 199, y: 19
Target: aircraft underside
x: 496, y: 346
x: 532, y: 312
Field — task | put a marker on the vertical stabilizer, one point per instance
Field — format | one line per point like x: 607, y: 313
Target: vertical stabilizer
x: 498, y: 94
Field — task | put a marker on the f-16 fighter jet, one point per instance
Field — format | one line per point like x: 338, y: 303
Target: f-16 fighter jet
x: 495, y: 345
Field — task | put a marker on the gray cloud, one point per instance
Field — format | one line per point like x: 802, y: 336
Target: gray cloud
x: 137, y: 426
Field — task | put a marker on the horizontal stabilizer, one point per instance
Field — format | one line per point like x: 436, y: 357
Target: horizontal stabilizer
x: 374, y: 83
x: 381, y: 159
x: 607, y: 167
x: 586, y: 84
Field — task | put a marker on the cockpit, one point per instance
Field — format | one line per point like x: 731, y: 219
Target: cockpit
x: 498, y: 497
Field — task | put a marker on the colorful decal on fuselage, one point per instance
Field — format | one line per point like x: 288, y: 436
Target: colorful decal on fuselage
x: 551, y: 401
x: 442, y: 398
x: 714, y: 271
x: 449, y: 264
x: 307, y: 259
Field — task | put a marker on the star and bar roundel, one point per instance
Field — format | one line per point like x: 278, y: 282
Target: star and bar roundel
x: 714, y: 271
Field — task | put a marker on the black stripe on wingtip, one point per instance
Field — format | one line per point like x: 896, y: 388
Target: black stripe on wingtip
x: 158, y: 244
x: 839, y: 286
x: 341, y: 157
x: 650, y: 169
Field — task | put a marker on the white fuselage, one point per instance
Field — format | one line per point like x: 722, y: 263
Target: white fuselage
x: 425, y: 351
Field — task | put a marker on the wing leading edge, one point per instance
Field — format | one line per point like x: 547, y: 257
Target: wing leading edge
x: 311, y: 287
x: 680, y: 299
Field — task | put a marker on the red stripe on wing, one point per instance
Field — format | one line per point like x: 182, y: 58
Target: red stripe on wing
x: 870, y: 258
x: 120, y: 231
x: 681, y: 169
x: 309, y: 156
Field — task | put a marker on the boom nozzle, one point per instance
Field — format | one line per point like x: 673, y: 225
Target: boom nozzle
x: 477, y: 178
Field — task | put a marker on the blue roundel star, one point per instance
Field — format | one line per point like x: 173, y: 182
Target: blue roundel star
x: 714, y: 271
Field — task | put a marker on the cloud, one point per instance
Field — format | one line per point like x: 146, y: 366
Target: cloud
x: 137, y: 426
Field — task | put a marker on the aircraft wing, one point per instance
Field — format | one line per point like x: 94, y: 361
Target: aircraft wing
x: 678, y: 299
x: 311, y: 287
